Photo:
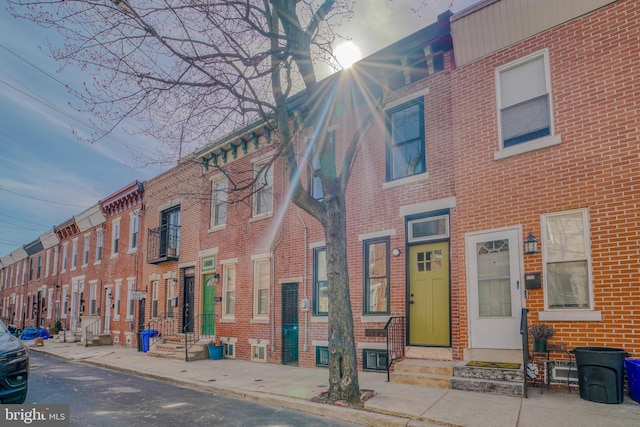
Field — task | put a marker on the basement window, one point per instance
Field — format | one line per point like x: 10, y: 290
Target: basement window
x: 259, y: 353
x: 229, y: 350
x: 374, y: 360
x: 322, y: 357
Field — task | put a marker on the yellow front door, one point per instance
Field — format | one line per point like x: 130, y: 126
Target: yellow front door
x: 429, y: 295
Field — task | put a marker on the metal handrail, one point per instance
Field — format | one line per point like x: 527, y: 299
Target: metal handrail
x: 192, y: 331
x: 166, y: 325
x: 394, y: 331
x: 91, y: 329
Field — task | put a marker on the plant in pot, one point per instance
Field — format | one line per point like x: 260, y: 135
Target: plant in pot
x: 541, y: 332
x: 215, y: 349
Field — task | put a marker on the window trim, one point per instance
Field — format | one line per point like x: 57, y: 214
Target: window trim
x: 256, y: 263
x: 419, y: 101
x: 85, y: 249
x: 134, y: 232
x: 225, y: 289
x: 256, y: 192
x: 216, y: 202
x: 316, y: 289
x: 535, y: 143
x: 367, y: 280
x: 116, y: 231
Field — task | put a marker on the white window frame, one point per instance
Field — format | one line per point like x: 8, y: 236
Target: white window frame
x: 47, y: 262
x: 578, y: 313
x: 56, y: 255
x: 115, y: 237
x: 93, y: 289
x: 261, y: 283
x: 155, y: 291
x: 532, y: 144
x: 50, y: 303
x: 65, y: 301
x: 218, y: 200
x: 259, y: 350
x: 85, y: 250
x: 131, y: 287
x: 65, y: 258
x: 134, y: 232
x: 74, y: 254
x: 118, y: 299
x: 99, y: 246
x: 39, y: 267
x: 228, y: 285
x: 260, y: 191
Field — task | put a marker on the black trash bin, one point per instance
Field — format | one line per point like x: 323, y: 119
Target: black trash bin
x: 600, y: 373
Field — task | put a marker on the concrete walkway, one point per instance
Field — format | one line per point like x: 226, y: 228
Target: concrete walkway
x: 392, y: 405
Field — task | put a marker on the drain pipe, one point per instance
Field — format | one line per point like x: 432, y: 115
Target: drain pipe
x: 304, y: 283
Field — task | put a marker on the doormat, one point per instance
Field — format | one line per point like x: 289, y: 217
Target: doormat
x: 499, y: 365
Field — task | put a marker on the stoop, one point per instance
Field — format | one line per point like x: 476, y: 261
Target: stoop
x: 428, y: 373
x: 508, y: 382
x: 174, y: 348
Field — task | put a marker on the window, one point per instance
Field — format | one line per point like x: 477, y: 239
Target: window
x: 320, y: 284
x: 405, y: 150
x: 134, y: 226
x: 524, y: 100
x: 93, y: 287
x: 115, y: 237
x: 219, y: 202
x: 229, y: 349
x: 39, y: 267
x: 263, y: 191
x: 375, y: 360
x: 228, y: 290
x: 261, y: 281
x: 99, y: 244
x: 154, y: 298
x: 85, y: 253
x: 47, y: 263
x: 315, y: 184
x: 74, y: 254
x: 65, y: 247
x: 131, y: 287
x: 376, y: 276
x: 30, y: 269
x: 566, y: 249
x: 56, y: 254
x: 65, y: 300
x: 170, y: 232
x: 117, y: 302
x: 322, y: 356
x: 430, y: 228
x: 259, y: 352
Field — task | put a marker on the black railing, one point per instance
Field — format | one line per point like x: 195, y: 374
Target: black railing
x: 394, y: 330
x: 202, y: 324
x: 524, y: 331
x: 92, y: 329
x: 162, y: 244
x: 165, y: 325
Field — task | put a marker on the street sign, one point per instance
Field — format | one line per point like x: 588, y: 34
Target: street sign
x: 137, y: 295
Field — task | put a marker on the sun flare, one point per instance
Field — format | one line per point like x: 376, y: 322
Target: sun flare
x: 347, y: 54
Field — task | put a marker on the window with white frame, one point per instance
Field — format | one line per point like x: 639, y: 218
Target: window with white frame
x: 263, y: 190
x: 30, y: 269
x: 65, y: 300
x: 118, y: 299
x: 65, y: 249
x: 56, y: 254
x: 85, y: 250
x: 47, y: 263
x: 524, y: 100
x: 50, y: 304
x: 131, y: 303
x: 261, y: 282
x: 219, y: 189
x: 115, y: 237
x: 134, y: 226
x: 376, y: 281
x: 315, y: 183
x: 259, y: 351
x: 39, y: 267
x: 567, y: 254
x: 74, y: 254
x: 93, y: 289
x: 320, y: 283
x: 406, y: 146
x: 154, y: 298
x: 228, y: 290
x: 99, y: 244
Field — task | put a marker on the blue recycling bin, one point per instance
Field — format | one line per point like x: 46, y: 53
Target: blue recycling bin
x: 145, y: 335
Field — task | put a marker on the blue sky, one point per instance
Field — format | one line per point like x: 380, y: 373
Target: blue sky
x: 49, y: 172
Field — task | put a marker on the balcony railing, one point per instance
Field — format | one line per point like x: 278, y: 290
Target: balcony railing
x: 162, y: 244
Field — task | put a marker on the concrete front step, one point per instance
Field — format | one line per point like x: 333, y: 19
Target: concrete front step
x: 177, y: 351
x: 506, y: 388
x: 494, y: 374
x: 427, y: 373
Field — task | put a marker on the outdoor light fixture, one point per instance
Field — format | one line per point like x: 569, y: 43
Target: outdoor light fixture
x: 531, y: 244
x: 395, y: 252
x: 216, y: 278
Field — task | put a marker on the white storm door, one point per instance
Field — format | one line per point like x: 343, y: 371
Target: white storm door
x: 495, y: 289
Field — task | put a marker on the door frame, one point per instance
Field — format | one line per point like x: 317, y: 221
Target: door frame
x: 515, y: 233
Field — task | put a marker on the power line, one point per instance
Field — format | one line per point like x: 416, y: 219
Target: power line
x: 42, y: 200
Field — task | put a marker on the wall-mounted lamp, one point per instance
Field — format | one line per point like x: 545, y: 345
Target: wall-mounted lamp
x: 395, y: 252
x: 109, y: 295
x: 531, y: 244
x: 216, y: 278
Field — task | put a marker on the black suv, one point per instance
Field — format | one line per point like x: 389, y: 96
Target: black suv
x: 14, y: 367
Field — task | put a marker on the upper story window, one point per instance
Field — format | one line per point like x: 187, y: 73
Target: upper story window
x: 115, y: 237
x: 376, y: 280
x: 406, y: 146
x: 567, y: 257
x: 524, y: 100
x: 219, y: 202
x: 261, y: 282
x: 170, y: 231
x: 315, y: 183
x: 39, y: 267
x: 229, y: 290
x: 74, y: 254
x: 263, y: 190
x: 65, y: 247
x: 85, y: 250
x: 99, y: 244
x: 320, y: 283
x: 134, y: 228
x: 30, y: 269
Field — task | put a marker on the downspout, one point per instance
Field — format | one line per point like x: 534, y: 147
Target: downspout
x: 274, y: 246
x: 304, y: 284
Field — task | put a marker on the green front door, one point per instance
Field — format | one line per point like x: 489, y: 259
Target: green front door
x: 429, y: 295
x: 208, y: 305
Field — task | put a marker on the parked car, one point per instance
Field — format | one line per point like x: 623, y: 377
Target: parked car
x: 31, y: 333
x: 14, y: 368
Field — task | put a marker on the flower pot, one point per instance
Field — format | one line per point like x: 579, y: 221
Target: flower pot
x: 215, y: 352
x: 539, y: 345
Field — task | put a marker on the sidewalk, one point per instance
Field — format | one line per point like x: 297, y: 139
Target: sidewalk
x: 393, y: 404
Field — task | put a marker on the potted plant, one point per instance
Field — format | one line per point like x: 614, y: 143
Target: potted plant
x: 215, y: 349
x: 541, y: 332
